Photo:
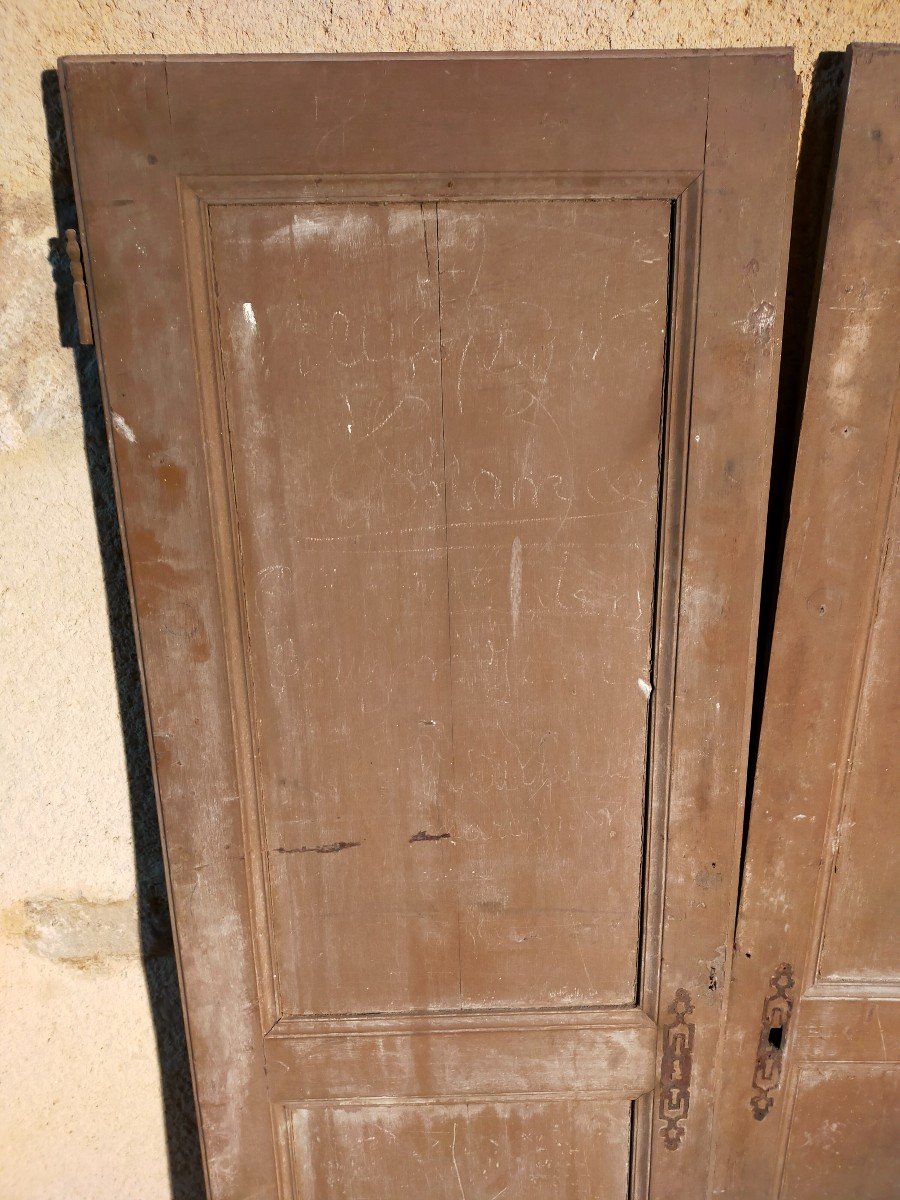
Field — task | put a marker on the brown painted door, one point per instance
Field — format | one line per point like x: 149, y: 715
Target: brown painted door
x: 440, y: 395
x: 811, y: 1090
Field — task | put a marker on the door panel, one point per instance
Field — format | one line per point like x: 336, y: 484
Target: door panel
x: 859, y: 940
x: 339, y: 502
x: 842, y: 1133
x: 447, y: 705
x: 421, y: 505
x: 478, y: 1151
x: 809, y: 1105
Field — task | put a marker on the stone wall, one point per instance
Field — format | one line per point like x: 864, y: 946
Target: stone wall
x: 96, y: 1100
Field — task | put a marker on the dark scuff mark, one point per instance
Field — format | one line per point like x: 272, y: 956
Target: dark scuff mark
x: 424, y: 836
x: 327, y: 848
x: 425, y: 239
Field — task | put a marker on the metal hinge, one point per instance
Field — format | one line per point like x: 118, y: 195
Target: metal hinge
x: 82, y: 309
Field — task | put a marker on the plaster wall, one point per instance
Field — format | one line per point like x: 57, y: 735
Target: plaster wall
x: 88, y: 1004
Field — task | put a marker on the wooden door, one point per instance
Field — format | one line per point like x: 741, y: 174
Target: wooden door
x: 440, y: 396
x: 811, y: 1088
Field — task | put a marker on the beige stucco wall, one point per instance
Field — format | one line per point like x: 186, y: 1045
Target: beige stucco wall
x: 82, y: 1112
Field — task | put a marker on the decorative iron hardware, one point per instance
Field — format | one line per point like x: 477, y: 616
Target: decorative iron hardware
x: 776, y: 1016
x: 675, y: 1073
x: 82, y: 311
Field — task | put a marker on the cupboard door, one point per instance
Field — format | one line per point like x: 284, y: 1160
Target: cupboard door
x: 812, y: 1083
x: 440, y: 396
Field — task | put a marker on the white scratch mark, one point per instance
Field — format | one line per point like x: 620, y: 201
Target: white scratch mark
x: 645, y: 687
x: 884, y: 1052
x: 515, y: 581
x: 249, y: 315
x: 381, y: 424
x: 121, y: 426
x: 462, y: 1190
x: 346, y: 231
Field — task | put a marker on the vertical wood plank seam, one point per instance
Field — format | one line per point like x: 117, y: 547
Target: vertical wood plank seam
x: 452, y: 774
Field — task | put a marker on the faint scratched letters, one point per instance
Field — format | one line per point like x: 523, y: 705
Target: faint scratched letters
x: 775, y: 1017
x: 675, y: 1076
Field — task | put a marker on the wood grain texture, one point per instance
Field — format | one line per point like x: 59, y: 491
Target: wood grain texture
x: 842, y: 1134
x: 819, y: 857
x: 588, y: 1053
x: 339, y: 498
x: 426, y: 496
x: 118, y: 126
x: 448, y: 1151
x: 442, y: 698
x: 554, y: 322
x: 859, y: 941
x: 740, y: 288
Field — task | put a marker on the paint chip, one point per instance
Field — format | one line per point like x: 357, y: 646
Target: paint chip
x: 120, y: 425
x: 249, y: 314
x: 515, y: 582
x: 759, y: 323
x: 646, y: 688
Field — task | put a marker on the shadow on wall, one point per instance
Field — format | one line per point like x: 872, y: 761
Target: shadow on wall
x: 185, y: 1170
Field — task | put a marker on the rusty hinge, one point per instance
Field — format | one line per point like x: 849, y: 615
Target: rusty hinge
x: 776, y: 1016
x: 675, y: 1072
x: 82, y: 310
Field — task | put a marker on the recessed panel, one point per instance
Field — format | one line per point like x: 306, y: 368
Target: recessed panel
x: 444, y: 425
x: 448, y: 1151
x: 553, y: 327
x: 861, y: 934
x: 843, y: 1141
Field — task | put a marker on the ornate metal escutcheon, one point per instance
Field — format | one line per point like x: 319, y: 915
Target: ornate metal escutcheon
x: 675, y: 1073
x: 776, y: 1016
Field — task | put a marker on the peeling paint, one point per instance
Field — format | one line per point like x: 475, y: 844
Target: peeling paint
x: 122, y: 427
x: 96, y: 1102
x: 759, y: 323
x: 515, y: 582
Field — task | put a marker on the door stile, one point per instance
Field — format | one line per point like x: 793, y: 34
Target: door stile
x: 741, y: 279
x: 684, y: 264
x: 197, y: 855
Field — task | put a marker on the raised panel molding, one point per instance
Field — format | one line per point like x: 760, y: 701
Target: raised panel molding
x: 683, y: 193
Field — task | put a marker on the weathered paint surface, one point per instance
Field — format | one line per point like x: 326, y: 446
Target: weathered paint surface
x: 472, y: 673
x: 333, y: 451
x: 816, y: 1080
x: 66, y: 829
